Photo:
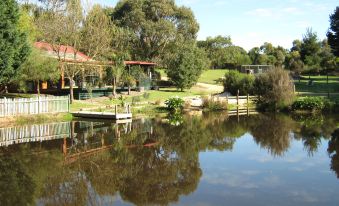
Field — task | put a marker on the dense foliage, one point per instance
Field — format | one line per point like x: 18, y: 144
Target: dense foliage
x: 154, y: 26
x: 14, y: 47
x: 333, y: 33
x: 223, y: 54
x: 174, y: 103
x: 309, y: 104
x: 38, y: 68
x: 235, y: 81
x: 275, y: 89
x: 185, y: 66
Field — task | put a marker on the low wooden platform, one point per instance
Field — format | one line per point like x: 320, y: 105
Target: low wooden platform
x: 102, y: 115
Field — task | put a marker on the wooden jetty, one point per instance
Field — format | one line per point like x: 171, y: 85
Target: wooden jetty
x: 105, y: 115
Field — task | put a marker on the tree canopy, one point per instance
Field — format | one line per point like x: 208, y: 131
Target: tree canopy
x: 154, y: 26
x: 186, y: 65
x: 333, y: 32
x: 14, y: 47
x: 222, y: 53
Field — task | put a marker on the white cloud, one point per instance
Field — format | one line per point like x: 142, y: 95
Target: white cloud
x: 261, y: 12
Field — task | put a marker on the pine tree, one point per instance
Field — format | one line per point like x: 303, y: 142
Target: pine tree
x: 333, y: 33
x: 14, y: 47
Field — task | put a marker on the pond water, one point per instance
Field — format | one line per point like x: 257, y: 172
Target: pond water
x: 211, y: 159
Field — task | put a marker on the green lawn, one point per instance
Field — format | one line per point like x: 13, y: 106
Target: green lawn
x: 211, y: 76
x: 319, y: 84
x: 208, y: 76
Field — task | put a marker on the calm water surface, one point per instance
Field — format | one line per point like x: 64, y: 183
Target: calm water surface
x: 185, y: 160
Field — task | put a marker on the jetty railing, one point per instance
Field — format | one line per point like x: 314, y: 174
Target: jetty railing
x: 32, y: 106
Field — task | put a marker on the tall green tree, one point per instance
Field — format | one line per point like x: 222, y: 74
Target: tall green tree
x: 154, y: 26
x: 294, y: 62
x: 14, y: 47
x: 38, y: 68
x: 186, y: 66
x: 215, y: 48
x: 310, y: 49
x: 333, y: 33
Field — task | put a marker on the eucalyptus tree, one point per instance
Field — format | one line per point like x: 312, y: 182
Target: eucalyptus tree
x: 154, y: 26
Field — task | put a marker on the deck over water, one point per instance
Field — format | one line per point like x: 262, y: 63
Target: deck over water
x: 102, y: 115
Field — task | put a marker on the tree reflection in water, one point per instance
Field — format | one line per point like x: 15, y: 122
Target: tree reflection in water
x: 333, y: 150
x: 153, y: 162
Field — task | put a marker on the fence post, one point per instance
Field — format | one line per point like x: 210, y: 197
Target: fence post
x: 5, y: 106
x: 39, y: 104
x: 248, y: 105
x: 68, y: 103
x: 238, y: 103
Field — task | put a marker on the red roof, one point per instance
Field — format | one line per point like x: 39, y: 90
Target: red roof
x: 67, y: 54
x: 64, y: 51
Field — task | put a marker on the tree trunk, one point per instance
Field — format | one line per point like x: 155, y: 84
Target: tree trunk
x: 38, y: 87
x: 71, y: 91
x: 114, y: 93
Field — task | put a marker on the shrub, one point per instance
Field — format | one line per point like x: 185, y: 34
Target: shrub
x: 185, y: 66
x: 157, y: 102
x: 213, y: 105
x: 175, y: 103
x: 146, y: 95
x: 274, y: 89
x: 309, y: 104
x: 235, y: 81
x: 135, y: 99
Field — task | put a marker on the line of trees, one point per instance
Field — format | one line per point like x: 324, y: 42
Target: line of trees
x: 308, y: 55
x: 152, y: 30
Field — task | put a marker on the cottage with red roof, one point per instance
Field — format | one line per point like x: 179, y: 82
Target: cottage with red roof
x: 69, y: 55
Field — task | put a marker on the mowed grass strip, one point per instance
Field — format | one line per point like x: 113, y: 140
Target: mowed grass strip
x: 319, y: 84
x: 211, y: 76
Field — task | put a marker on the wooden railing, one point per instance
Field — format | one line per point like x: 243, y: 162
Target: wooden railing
x: 30, y: 106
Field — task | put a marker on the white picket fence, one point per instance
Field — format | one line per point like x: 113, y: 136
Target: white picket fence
x: 31, y: 106
x: 34, y: 133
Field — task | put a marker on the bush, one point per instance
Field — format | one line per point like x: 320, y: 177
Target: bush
x: 275, y: 89
x: 213, y: 105
x: 135, y: 99
x: 157, y: 102
x: 185, y: 66
x: 235, y: 81
x: 146, y: 95
x: 309, y: 104
x: 175, y: 103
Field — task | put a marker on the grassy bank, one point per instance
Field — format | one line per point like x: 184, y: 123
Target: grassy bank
x: 35, y: 119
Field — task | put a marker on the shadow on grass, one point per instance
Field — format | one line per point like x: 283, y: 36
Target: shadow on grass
x: 16, y: 95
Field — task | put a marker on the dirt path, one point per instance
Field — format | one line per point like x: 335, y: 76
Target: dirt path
x: 210, y: 87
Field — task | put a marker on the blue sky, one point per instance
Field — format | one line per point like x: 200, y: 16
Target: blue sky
x: 251, y: 23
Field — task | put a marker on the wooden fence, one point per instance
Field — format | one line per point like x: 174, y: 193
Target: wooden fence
x: 31, y: 106
x: 34, y: 133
